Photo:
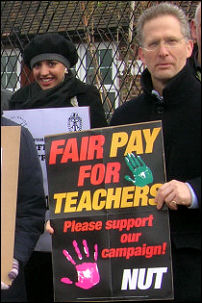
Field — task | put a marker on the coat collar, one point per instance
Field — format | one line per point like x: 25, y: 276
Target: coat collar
x: 174, y: 89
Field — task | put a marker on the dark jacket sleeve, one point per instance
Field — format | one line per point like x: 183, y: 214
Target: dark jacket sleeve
x: 31, y: 199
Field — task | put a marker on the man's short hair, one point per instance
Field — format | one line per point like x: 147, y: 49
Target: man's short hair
x: 196, y: 13
x: 162, y: 9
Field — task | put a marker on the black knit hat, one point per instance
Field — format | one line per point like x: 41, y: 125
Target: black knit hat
x: 50, y: 46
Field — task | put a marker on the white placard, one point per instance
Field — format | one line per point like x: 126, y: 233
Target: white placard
x: 50, y: 121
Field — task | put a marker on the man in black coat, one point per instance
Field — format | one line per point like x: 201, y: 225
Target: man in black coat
x: 29, y: 216
x: 171, y: 93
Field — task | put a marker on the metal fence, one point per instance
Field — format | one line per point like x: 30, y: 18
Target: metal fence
x: 103, y: 32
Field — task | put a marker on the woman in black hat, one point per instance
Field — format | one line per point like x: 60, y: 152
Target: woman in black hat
x: 50, y: 57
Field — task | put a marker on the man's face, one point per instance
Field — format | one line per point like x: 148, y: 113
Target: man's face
x: 164, y: 49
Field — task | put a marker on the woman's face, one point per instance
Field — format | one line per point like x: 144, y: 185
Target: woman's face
x: 48, y: 73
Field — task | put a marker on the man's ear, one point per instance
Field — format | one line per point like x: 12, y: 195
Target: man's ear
x: 190, y: 46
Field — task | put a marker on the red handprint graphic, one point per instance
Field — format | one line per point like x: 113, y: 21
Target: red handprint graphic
x: 88, y: 274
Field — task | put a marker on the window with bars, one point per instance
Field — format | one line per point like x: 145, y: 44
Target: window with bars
x: 104, y: 60
x: 99, y: 67
x: 10, y: 70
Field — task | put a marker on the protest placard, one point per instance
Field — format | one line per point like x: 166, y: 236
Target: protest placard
x: 10, y: 146
x: 109, y: 242
x: 47, y: 121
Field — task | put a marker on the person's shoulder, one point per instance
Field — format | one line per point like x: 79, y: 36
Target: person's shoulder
x: 6, y: 94
x: 7, y: 122
x: 134, y: 102
x: 127, y: 111
x: 87, y: 93
x: 21, y: 92
x: 5, y: 97
x: 85, y: 87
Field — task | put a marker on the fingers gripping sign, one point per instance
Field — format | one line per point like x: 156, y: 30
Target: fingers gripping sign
x: 142, y: 174
x: 87, y: 272
x: 174, y: 193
